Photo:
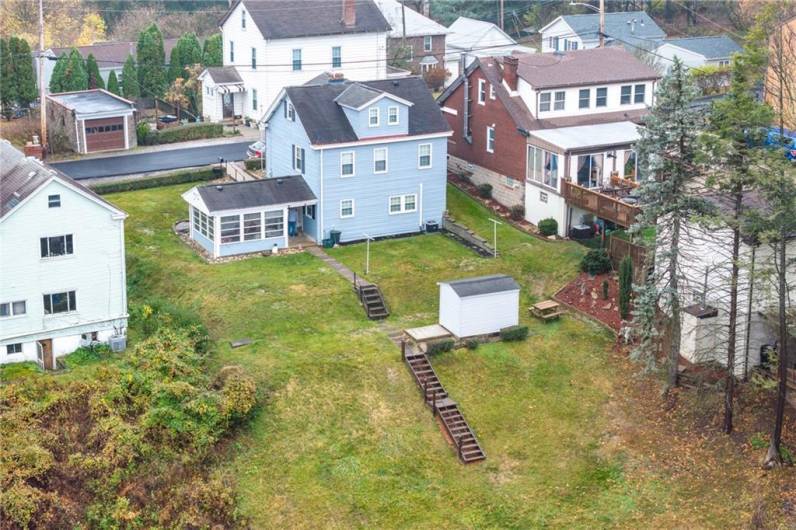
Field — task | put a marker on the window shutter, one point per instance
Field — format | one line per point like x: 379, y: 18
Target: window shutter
x: 69, y: 244
x: 47, y: 307
x: 43, y: 243
x: 72, y: 301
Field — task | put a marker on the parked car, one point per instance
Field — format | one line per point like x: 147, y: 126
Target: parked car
x: 167, y: 118
x: 787, y: 142
x: 256, y: 150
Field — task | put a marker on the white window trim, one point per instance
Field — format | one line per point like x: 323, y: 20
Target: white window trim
x: 378, y: 116
x: 430, y: 158
x: 56, y: 315
x: 11, y: 313
x: 430, y: 40
x: 556, y: 100
x: 353, y: 164
x: 386, y: 160
x: 353, y: 209
x: 403, y: 209
x: 488, y: 150
x: 397, y: 115
x: 65, y: 255
x: 491, y: 91
x: 481, y: 92
x: 549, y: 102
x: 341, y: 57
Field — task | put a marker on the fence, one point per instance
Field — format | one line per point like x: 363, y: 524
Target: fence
x: 237, y: 172
x: 618, y: 248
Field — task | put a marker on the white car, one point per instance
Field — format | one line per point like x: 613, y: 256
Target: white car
x: 256, y: 150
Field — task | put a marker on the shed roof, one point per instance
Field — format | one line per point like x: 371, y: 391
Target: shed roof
x: 466, y: 33
x: 256, y: 193
x: 93, y: 101
x: 712, y: 47
x: 223, y: 74
x: 584, y: 136
x: 357, y: 95
x: 417, y: 24
x: 496, y: 283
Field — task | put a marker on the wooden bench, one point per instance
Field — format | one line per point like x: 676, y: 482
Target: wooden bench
x: 547, y: 310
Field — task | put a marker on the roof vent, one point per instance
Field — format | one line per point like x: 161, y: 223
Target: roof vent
x: 395, y: 82
x: 31, y: 174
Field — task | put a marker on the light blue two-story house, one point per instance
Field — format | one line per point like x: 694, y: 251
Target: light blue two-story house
x: 365, y: 159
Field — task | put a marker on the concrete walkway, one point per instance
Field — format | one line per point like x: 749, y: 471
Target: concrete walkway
x: 338, y: 267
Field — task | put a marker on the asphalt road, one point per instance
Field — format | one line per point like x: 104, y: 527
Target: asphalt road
x: 130, y: 164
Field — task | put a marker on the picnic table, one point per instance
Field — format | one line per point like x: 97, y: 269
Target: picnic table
x: 547, y: 310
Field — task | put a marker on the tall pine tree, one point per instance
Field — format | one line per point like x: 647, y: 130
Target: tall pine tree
x: 152, y: 75
x: 130, y: 88
x: 57, y: 77
x: 92, y: 71
x: 8, y: 88
x: 74, y: 75
x: 213, y: 51
x: 113, y: 83
x: 24, y: 78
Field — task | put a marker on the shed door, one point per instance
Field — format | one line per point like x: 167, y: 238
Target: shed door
x: 107, y: 133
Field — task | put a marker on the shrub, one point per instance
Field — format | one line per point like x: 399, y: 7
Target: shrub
x: 253, y: 164
x: 485, y: 191
x: 439, y: 346
x: 181, y: 133
x: 178, y: 177
x: 596, y: 261
x: 143, y: 132
x: 605, y: 289
x: 548, y: 227
x: 435, y: 78
x: 625, y: 286
x: 517, y: 212
x: 471, y: 344
x: 514, y: 333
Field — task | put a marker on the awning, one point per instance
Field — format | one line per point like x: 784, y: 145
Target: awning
x: 590, y: 136
x: 429, y: 59
x: 229, y: 89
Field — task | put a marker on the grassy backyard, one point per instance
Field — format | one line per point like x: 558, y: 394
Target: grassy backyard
x: 342, y: 438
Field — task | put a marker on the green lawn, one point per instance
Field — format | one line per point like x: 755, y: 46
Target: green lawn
x: 343, y: 439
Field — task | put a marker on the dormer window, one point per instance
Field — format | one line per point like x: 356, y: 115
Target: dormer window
x: 373, y: 117
x: 243, y: 19
x: 393, y: 115
x: 544, y: 102
x: 638, y: 96
x: 560, y: 100
x: 584, y: 98
x: 602, y: 97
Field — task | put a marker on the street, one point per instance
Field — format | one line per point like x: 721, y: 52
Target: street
x: 154, y: 161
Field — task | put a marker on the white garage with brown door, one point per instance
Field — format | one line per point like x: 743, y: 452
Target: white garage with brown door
x: 91, y: 120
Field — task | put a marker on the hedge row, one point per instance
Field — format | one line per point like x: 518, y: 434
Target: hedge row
x: 181, y: 133
x: 179, y: 177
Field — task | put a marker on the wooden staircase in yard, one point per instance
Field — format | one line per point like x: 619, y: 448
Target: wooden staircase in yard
x: 372, y: 300
x: 456, y: 427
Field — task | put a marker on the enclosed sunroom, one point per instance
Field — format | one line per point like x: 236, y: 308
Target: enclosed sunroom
x: 248, y: 217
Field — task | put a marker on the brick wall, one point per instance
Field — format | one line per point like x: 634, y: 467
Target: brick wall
x: 506, y: 192
x: 416, y: 43
x: 60, y: 123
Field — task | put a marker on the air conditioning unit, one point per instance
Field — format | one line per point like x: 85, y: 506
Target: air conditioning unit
x: 118, y: 343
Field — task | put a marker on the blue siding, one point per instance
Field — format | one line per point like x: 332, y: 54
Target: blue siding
x: 359, y: 119
x: 203, y: 242
x: 258, y: 245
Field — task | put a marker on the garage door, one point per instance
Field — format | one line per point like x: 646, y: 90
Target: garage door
x: 107, y: 133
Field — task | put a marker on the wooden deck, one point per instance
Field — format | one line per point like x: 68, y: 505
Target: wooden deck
x: 600, y: 204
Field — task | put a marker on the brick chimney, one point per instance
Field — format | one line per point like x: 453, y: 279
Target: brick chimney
x: 349, y: 13
x: 510, y: 64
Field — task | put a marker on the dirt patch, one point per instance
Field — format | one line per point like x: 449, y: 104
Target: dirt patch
x: 585, y: 293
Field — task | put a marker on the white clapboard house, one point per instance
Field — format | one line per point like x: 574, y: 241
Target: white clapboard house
x: 62, y: 269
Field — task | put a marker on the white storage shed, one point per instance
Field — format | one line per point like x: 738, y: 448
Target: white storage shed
x: 479, y: 306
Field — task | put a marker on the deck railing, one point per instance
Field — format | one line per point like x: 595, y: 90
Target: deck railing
x: 600, y: 204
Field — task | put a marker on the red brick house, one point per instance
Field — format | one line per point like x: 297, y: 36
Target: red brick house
x: 531, y: 124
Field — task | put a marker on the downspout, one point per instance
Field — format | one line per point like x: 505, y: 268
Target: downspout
x: 466, y: 111
x: 77, y: 132
x: 320, y: 212
x: 749, y: 314
x: 420, y: 215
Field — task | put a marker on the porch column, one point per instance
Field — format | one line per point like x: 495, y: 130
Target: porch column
x: 216, y: 236
x: 284, y: 226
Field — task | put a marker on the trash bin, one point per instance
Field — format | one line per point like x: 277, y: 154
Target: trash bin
x: 432, y: 226
x: 335, y: 236
x: 327, y: 243
x: 218, y: 172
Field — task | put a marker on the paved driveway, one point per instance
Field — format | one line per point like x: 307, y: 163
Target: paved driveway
x: 130, y: 164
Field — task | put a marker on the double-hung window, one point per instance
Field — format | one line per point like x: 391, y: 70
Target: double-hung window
x: 232, y: 52
x: 427, y: 43
x: 252, y: 226
x: 347, y: 161
x: 373, y: 117
x: 274, y: 223
x: 56, y: 246
x: 638, y: 95
x: 490, y: 139
x: 626, y: 93
x: 543, y: 166
x: 12, y: 309
x: 393, y: 115
x: 560, y: 100
x: 584, y: 98
x: 602, y: 97
x: 298, y: 159
x: 347, y: 208
x: 544, y: 102
x: 242, y: 19
x: 53, y: 201
x: 424, y: 156
x: 230, y: 228
x: 491, y: 91
x: 403, y: 203
x: 254, y: 58
x: 60, y: 302
x: 380, y: 160
x: 290, y: 112
x: 296, y: 59
x: 254, y: 99
x: 481, y: 91
x: 337, y: 57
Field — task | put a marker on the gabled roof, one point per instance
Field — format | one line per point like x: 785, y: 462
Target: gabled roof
x: 284, y: 19
x: 21, y: 177
x: 255, y: 193
x: 618, y: 25
x: 222, y: 74
x: 112, y: 54
x: 479, y: 285
x: 92, y: 101
x: 713, y: 47
x: 357, y: 96
x: 325, y: 121
x: 467, y: 33
x: 417, y: 25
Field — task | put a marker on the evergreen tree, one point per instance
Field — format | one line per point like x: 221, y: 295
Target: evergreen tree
x: 113, y: 83
x: 175, y: 64
x: 213, y: 51
x: 57, y: 77
x: 92, y: 71
x: 8, y: 87
x: 25, y: 79
x: 152, y: 76
x: 130, y: 88
x: 74, y: 75
x: 625, y: 286
x: 186, y: 52
x: 667, y: 150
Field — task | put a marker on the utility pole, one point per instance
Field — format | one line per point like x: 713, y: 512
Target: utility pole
x: 403, y: 24
x: 501, y: 14
x: 42, y: 98
x: 602, y: 23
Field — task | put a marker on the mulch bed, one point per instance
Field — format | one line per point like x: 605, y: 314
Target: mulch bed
x: 585, y: 293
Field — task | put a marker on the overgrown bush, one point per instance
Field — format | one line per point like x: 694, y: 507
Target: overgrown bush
x: 517, y: 212
x: 625, y: 286
x: 548, y: 227
x: 471, y: 344
x: 181, y: 133
x: 485, y: 191
x: 143, y: 132
x: 178, y: 177
x: 253, y: 164
x: 514, y: 333
x: 439, y: 346
x: 435, y: 78
x: 596, y: 261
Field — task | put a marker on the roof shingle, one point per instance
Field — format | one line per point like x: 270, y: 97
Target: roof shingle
x: 479, y: 285
x: 711, y: 47
x: 256, y: 193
